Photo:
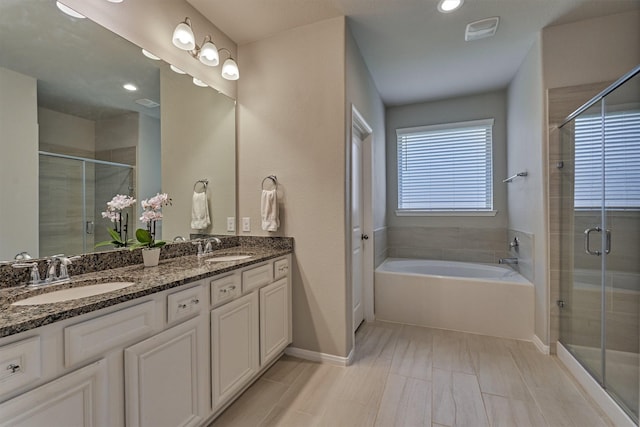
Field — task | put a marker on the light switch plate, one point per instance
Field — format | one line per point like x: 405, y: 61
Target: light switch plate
x: 231, y: 223
x: 246, y: 224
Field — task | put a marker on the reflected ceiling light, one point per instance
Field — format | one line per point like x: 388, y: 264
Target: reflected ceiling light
x: 150, y: 55
x: 199, y: 82
x: 115, y: 1
x: 208, y: 54
x: 130, y: 87
x: 176, y: 69
x: 446, y: 6
x: 66, y: 9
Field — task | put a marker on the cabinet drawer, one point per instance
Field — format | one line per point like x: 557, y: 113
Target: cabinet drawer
x: 94, y: 337
x: 257, y: 277
x: 225, y: 289
x: 19, y: 364
x: 184, y: 304
x: 280, y: 268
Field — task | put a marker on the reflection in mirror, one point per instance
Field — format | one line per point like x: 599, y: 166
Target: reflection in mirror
x: 73, y: 137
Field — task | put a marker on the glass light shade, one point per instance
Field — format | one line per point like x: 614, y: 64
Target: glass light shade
x: 115, y: 1
x: 66, y: 9
x: 176, y: 69
x: 199, y: 82
x: 209, y: 54
x: 183, y: 37
x: 150, y: 55
x: 130, y: 87
x: 230, y: 70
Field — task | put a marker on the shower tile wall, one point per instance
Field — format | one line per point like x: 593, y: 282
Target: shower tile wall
x: 380, y: 245
x: 524, y: 252
x: 485, y: 245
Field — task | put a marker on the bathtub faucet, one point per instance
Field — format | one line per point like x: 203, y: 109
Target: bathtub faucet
x: 508, y: 261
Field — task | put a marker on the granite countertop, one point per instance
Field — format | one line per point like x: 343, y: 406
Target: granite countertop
x: 168, y: 274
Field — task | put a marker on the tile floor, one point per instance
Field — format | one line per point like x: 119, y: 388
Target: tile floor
x: 412, y: 376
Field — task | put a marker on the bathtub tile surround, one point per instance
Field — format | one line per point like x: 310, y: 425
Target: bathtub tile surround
x: 459, y: 379
x: 100, y: 261
x: 380, y: 245
x: 485, y: 245
x: 524, y: 252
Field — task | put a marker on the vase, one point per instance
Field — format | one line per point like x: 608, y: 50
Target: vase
x: 151, y: 256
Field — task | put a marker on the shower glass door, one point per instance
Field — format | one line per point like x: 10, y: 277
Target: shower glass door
x: 600, y: 240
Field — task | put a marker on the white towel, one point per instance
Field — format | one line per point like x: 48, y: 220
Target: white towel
x: 269, y: 210
x: 200, y: 211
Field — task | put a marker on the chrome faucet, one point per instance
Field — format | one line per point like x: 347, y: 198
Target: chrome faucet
x: 54, y: 264
x: 208, y: 247
x: 34, y: 273
x: 510, y: 261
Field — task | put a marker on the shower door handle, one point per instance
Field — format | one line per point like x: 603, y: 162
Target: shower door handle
x: 89, y: 227
x: 587, y: 247
x: 607, y: 247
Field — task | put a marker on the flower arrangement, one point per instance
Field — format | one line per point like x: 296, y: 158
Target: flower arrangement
x: 152, y: 213
x: 120, y: 228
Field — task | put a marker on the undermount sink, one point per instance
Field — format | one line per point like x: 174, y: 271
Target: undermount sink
x: 73, y: 293
x: 227, y: 258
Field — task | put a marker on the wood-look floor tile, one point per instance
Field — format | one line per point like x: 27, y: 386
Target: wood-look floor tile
x: 347, y: 413
x: 468, y: 401
x: 406, y: 402
x: 364, y: 383
x: 443, y: 407
x: 253, y: 406
x: 450, y: 352
x: 378, y: 341
x: 286, y: 370
x: 505, y: 412
x: 412, y: 359
x: 283, y: 417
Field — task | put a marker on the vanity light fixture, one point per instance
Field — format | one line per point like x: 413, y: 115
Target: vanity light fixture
x: 130, y: 87
x: 176, y: 69
x: 150, y: 55
x: 115, y: 1
x: 66, y: 9
x: 208, y: 54
x: 199, y: 82
x: 447, y: 6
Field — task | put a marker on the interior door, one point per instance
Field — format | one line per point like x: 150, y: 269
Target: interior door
x: 357, y: 234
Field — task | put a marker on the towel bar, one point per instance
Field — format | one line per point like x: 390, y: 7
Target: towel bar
x: 273, y: 178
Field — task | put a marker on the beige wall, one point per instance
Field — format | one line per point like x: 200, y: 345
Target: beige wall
x: 291, y: 123
x: 66, y: 134
x: 117, y: 132
x: 198, y: 142
x: 590, y: 51
x: 149, y: 155
x: 150, y: 24
x: 526, y: 152
x: 18, y: 164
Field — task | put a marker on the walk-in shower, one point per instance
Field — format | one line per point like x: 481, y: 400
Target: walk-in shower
x: 73, y: 193
x: 600, y: 239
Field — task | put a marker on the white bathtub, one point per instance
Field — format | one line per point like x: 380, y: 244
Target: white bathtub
x: 478, y: 298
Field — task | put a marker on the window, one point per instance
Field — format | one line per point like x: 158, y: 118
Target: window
x: 445, y: 168
x: 622, y: 156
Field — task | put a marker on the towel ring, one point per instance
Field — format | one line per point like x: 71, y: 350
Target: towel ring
x: 273, y: 179
x: 204, y: 183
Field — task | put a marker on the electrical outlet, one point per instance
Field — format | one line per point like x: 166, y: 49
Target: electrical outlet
x: 231, y: 223
x: 246, y: 224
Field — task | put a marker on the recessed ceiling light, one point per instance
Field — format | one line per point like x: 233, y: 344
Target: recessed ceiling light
x: 130, y: 87
x: 115, y: 1
x: 69, y: 11
x: 199, y: 82
x: 176, y: 69
x: 446, y: 6
x: 150, y: 55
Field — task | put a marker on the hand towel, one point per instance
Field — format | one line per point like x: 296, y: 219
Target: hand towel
x: 269, y: 210
x: 200, y: 211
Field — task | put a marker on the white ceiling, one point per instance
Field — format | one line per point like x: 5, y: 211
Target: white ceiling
x: 413, y: 52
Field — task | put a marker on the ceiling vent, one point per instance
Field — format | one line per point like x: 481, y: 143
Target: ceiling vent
x: 481, y: 29
x: 147, y: 103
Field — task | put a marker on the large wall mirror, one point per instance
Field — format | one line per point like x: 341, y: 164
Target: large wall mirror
x: 72, y: 136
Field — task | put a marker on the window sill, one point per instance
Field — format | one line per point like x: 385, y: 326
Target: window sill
x: 407, y: 212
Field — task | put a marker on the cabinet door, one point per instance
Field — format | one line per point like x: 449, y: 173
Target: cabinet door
x: 234, y: 347
x: 78, y: 399
x: 162, y: 386
x: 274, y: 320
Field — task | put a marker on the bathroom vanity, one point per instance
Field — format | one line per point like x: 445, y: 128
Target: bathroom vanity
x: 173, y: 349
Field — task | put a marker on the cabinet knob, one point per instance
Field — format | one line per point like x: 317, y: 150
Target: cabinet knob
x: 195, y: 301
x: 13, y: 368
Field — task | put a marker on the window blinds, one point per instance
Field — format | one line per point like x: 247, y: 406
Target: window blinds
x: 622, y: 160
x: 446, y: 167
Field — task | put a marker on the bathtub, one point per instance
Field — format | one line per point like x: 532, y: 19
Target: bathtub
x: 478, y: 298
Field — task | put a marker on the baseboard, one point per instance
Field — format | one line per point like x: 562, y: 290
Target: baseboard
x: 316, y: 356
x: 542, y: 347
x: 593, y: 389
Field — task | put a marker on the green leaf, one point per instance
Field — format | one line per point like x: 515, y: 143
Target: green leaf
x: 115, y: 236
x: 144, y: 236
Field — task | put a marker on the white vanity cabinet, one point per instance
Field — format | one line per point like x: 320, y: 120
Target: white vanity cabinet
x: 275, y: 320
x: 77, y: 399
